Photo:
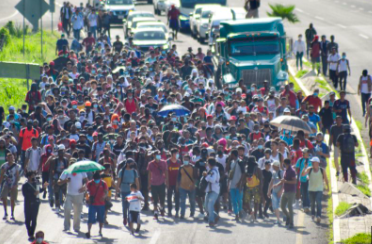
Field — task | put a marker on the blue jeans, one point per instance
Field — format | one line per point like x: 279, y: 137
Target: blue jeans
x: 93, y: 29
x: 299, y: 59
x: 210, y: 199
x: 183, y: 195
x: 77, y: 34
x: 236, y: 199
x: 316, y: 197
x: 125, y: 204
x: 305, y: 194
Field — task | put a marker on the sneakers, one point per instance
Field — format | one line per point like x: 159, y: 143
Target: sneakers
x: 290, y: 226
x: 237, y: 218
x: 162, y: 212
x: 277, y: 222
x: 200, y: 216
x: 5, y: 217
x: 318, y: 220
x: 266, y: 215
x: 216, y: 219
x: 229, y: 212
x: 125, y: 221
x: 156, y: 216
x: 286, y: 222
x: 87, y: 235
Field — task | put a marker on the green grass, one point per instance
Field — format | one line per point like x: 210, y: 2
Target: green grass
x: 301, y: 73
x: 306, y: 63
x: 364, y: 189
x: 323, y: 84
x: 296, y: 87
x: 13, y: 91
x: 359, y: 124
x: 363, y: 177
x: 361, y: 238
x: 342, y: 208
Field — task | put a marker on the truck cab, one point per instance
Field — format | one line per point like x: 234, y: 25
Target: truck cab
x: 251, y: 50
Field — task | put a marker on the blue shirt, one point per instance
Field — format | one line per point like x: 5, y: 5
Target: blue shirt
x: 314, y: 118
x: 301, y: 164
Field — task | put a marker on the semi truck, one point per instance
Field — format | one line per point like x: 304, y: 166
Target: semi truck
x: 252, y: 50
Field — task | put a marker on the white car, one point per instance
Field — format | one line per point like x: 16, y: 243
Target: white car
x: 151, y: 37
x: 153, y: 24
x: 135, y: 14
x: 119, y: 9
x: 202, y: 23
x: 160, y: 6
x: 196, y: 15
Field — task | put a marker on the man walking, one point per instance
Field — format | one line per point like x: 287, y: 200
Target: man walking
x: 77, y: 23
x: 324, y: 54
x: 212, y: 191
x: 33, y: 157
x: 347, y: 142
x: 300, y: 166
x: 343, y: 67
x: 336, y: 130
x: 333, y: 61
x: 299, y: 50
x: 315, y: 53
x: 252, y: 8
x: 171, y: 180
x: 364, y: 89
x: 74, y: 197
x: 275, y: 190
x: 289, y: 181
x: 66, y: 14
x: 309, y: 35
x: 186, y: 186
x: 235, y: 183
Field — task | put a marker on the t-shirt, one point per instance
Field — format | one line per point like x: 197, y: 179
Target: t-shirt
x: 89, y: 42
x: 157, y: 170
x: 34, y: 156
x: 75, y: 183
x: 335, y: 132
x: 344, y: 106
x: 12, y: 174
x: 340, y: 140
x: 134, y: 199
x: 300, y: 165
x: 3, y: 153
x: 323, y: 148
x: 326, y: 116
x: 97, y: 191
x: 200, y: 166
x: 173, y: 169
x: 289, y: 175
x: 315, y: 101
x: 118, y: 45
x: 128, y: 178
x: 61, y: 43
x: 277, y: 176
x: 27, y: 135
x: 314, y: 118
x: 237, y: 174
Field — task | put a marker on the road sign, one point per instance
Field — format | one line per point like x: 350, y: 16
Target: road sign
x: 33, y: 10
x: 52, y: 6
x: 19, y: 70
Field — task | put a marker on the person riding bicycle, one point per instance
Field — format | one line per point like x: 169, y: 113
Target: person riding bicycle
x: 173, y: 15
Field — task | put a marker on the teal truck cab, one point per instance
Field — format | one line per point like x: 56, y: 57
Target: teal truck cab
x: 252, y: 50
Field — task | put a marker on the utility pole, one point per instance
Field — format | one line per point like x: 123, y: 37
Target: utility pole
x: 24, y: 30
x: 41, y: 26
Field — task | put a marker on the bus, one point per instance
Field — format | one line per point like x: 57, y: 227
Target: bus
x: 187, y: 6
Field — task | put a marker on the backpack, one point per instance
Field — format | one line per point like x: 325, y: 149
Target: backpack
x: 33, y: 131
x: 348, y: 144
x: 321, y: 170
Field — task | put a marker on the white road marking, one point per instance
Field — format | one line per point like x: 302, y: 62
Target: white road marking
x: 319, y: 18
x: 299, y: 10
x: 342, y: 26
x: 364, y: 36
x: 11, y: 16
x: 155, y: 237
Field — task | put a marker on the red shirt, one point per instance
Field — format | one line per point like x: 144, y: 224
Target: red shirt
x: 173, y: 169
x: 315, y: 101
x: 130, y: 106
x: 173, y: 14
x: 306, y: 143
x: 98, y: 192
x: 89, y: 42
x: 291, y: 96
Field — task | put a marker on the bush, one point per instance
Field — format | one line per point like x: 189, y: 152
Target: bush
x: 4, y: 31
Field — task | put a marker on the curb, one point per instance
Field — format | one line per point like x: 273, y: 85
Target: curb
x: 334, y: 184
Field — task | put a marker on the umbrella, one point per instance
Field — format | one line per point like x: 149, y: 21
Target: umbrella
x: 291, y: 123
x: 179, y: 110
x: 84, y: 166
x: 118, y: 69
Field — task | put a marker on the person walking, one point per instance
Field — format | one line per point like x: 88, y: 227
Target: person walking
x: 97, y: 191
x: 333, y: 61
x: 33, y: 157
x: 134, y: 198
x: 31, y: 190
x: 171, y: 181
x: 93, y: 22
x: 364, y: 89
x: 317, y: 178
x: 347, y: 143
x: 252, y: 6
x: 309, y: 36
x: 236, y: 183
x: 324, y: 54
x: 74, y: 196
x: 186, y: 186
x: 9, y: 179
x: 77, y: 23
x: 299, y: 49
x: 300, y: 166
x: 212, y: 191
x: 336, y: 130
x: 342, y: 108
x: 126, y: 176
x: 156, y: 174
x: 315, y: 53
x: 253, y: 187
x: 289, y: 182
x: 65, y: 16
x: 173, y: 15
x: 343, y: 66
x: 275, y: 190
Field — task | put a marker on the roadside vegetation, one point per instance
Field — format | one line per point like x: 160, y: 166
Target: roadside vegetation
x: 342, y: 208
x: 361, y: 238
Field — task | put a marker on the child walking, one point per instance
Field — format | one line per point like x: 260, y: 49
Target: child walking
x: 134, y: 198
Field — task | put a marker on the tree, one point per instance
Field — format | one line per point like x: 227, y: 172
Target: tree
x: 284, y: 12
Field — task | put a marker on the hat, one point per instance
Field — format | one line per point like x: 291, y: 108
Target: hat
x: 232, y: 118
x: 209, y: 116
x: 78, y: 125
x: 88, y: 104
x: 11, y: 108
x: 315, y: 159
x: 72, y: 141
x: 332, y: 93
x: 286, y: 110
x: 61, y: 147
x: 95, y: 133
x: 276, y: 163
x: 74, y: 103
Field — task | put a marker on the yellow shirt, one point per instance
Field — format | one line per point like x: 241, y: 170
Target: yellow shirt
x: 108, y: 180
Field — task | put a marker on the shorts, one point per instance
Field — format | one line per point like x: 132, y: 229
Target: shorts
x: 223, y: 185
x: 173, y: 24
x: 275, y: 200
x: 134, y: 217
x: 198, y: 192
x: 96, y: 213
x: 158, y: 192
x: 315, y: 59
x: 5, y: 192
x: 336, y: 152
x: 250, y: 193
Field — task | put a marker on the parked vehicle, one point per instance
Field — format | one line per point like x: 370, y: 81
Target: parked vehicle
x: 119, y: 9
x: 196, y: 15
x: 127, y: 24
x: 151, y: 37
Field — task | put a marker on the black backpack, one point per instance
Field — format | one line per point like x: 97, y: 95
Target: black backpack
x: 348, y: 144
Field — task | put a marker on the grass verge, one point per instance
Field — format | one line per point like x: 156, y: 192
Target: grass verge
x: 363, y: 177
x: 301, y: 73
x: 361, y: 238
x: 342, y: 208
x: 364, y: 189
x: 296, y: 87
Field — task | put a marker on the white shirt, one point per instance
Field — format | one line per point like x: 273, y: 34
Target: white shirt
x: 134, y: 201
x: 364, y: 84
x: 333, y: 59
x: 299, y: 47
x: 92, y: 20
x: 342, y: 65
x: 78, y: 21
x: 75, y: 183
x: 214, y: 181
x: 222, y: 160
x: 33, y: 156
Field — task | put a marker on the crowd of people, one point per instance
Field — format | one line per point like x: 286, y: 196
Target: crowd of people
x: 224, y: 155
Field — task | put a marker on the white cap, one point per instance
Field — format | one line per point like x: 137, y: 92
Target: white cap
x: 286, y: 110
x: 238, y: 89
x: 276, y: 163
x: 315, y: 159
x: 78, y: 125
x: 61, y: 147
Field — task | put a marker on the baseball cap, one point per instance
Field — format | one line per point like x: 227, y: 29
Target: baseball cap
x: 88, y: 104
x: 315, y: 159
x: 276, y: 163
x: 11, y: 108
x: 61, y: 147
